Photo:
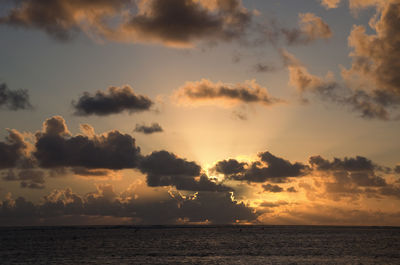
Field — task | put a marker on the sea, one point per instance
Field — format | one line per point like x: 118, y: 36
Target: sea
x: 200, y: 245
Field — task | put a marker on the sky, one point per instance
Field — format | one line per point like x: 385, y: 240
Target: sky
x: 199, y: 112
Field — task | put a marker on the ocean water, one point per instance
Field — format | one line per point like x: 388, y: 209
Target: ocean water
x: 200, y: 245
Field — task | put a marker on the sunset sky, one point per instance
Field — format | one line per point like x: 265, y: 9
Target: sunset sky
x: 200, y: 111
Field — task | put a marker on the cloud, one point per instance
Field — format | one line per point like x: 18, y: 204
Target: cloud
x: 172, y: 23
x: 375, y: 60
x: 230, y: 167
x: 311, y: 28
x: 350, y: 178
x: 148, y: 129
x: 358, y: 163
x: 300, y: 78
x: 114, y: 101
x: 272, y: 188
x: 206, y: 92
x: 14, y: 99
x: 12, y: 150
x: 269, y: 168
x: 328, y: 4
x: 29, y: 178
x: 62, y: 206
x: 353, y: 4
x: 163, y: 168
x: 56, y: 148
x: 62, y: 19
x: 359, y: 172
x: 95, y: 173
x: 182, y: 22
x: 328, y: 89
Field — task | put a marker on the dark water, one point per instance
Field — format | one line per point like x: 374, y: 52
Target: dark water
x: 200, y: 245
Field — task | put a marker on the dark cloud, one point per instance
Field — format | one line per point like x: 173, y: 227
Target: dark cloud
x: 166, y: 169
x: 279, y: 167
x: 112, y: 150
x: 397, y: 169
x: 216, y: 208
x: 272, y: 188
x: 14, y: 99
x: 230, y: 167
x: 207, y: 92
x: 269, y: 168
x: 115, y: 100
x: 173, y: 22
x: 358, y: 163
x: 148, y: 129
x: 352, y: 178
x: 29, y: 178
x: 62, y: 19
x: 359, y: 171
x: 12, y: 150
x: 181, y: 22
x: 291, y: 189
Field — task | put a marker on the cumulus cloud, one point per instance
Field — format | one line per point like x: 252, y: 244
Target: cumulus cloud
x: 62, y: 205
x: 375, y: 59
x: 173, y: 23
x: 230, y: 167
x: 206, y: 92
x: 148, y: 129
x: 351, y: 178
x: 12, y: 150
x: 358, y: 163
x: 329, y: 90
x: 311, y: 28
x: 14, y: 99
x: 163, y: 168
x: 56, y: 148
x: 268, y: 168
x: 114, y: 101
x: 358, y: 171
